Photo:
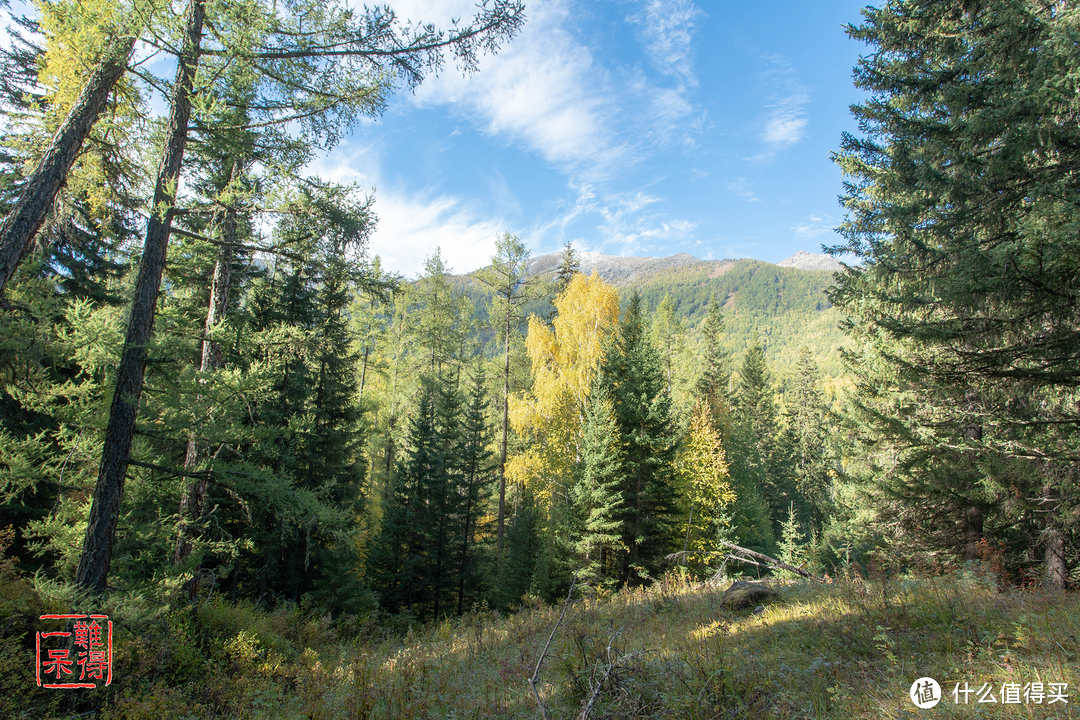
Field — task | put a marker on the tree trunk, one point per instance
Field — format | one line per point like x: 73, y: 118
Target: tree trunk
x: 1056, y: 569
x: 191, y: 504
x: 93, y: 571
x: 18, y: 230
x: 973, y: 516
x: 502, y: 447
x: 465, y: 546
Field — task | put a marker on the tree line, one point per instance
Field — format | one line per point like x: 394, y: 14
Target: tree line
x: 208, y: 387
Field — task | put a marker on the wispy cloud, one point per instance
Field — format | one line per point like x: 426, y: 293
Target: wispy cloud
x: 741, y: 188
x: 785, y: 117
x: 813, y: 226
x: 545, y: 90
x: 548, y: 92
x: 412, y: 224
x: 786, y: 121
x: 411, y: 227
x: 669, y: 27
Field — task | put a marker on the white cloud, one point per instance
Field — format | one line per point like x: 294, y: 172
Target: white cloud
x: 411, y: 227
x: 786, y: 121
x: 813, y: 226
x: 547, y: 92
x: 543, y: 89
x: 412, y: 224
x: 669, y: 26
x: 741, y: 188
x: 785, y: 118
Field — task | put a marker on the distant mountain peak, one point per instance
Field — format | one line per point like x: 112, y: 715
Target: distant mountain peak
x: 803, y: 260
x: 614, y: 268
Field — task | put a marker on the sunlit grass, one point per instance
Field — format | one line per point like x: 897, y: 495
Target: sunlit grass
x: 850, y: 649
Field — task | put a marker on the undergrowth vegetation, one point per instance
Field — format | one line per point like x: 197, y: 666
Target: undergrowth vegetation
x: 847, y: 649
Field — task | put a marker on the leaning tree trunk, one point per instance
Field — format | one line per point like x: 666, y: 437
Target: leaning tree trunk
x: 18, y: 230
x: 191, y: 504
x: 93, y: 571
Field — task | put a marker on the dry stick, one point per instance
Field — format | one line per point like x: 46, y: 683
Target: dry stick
x: 586, y: 712
x: 536, y: 673
x: 768, y: 561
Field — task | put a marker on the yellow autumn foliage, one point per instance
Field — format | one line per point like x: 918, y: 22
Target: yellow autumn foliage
x: 565, y: 359
x: 76, y: 33
x: 702, y: 469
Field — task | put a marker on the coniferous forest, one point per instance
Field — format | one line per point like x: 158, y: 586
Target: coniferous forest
x: 303, y: 484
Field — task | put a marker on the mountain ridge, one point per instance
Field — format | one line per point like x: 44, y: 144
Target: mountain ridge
x: 626, y: 269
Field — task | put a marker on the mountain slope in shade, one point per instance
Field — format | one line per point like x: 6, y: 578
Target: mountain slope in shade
x: 803, y: 260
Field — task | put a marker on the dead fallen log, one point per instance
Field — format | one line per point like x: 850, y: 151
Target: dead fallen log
x: 745, y: 555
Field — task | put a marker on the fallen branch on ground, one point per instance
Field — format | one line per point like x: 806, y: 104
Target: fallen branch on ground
x: 536, y: 673
x: 751, y: 557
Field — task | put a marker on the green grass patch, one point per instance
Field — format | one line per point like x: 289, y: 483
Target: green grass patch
x: 849, y: 649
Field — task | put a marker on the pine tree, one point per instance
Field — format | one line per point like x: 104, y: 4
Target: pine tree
x: 669, y: 336
x: 805, y: 440
x: 596, y: 495
x: 401, y: 561
x: 476, y: 461
x: 964, y: 291
x: 711, y: 386
x: 569, y: 264
x: 633, y: 374
x: 751, y: 451
x: 514, y: 578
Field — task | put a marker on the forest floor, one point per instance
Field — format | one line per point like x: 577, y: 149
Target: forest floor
x: 848, y: 649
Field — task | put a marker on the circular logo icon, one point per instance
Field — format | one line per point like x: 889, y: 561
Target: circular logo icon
x: 925, y: 693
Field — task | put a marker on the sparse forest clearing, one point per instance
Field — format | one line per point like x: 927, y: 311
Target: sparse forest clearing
x: 848, y: 649
x: 249, y: 470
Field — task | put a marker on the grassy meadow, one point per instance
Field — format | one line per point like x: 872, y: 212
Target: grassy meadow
x: 847, y: 649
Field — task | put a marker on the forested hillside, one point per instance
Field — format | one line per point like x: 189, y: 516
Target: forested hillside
x: 218, y: 411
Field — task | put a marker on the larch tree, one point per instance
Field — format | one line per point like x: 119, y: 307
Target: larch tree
x: 705, y: 489
x: 508, y: 277
x: 113, y: 34
x: 356, y: 62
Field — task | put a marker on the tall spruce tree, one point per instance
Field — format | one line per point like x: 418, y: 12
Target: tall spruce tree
x: 961, y: 207
x: 476, y: 462
x: 597, y: 496
x: 804, y: 441
x: 633, y: 374
x: 751, y: 453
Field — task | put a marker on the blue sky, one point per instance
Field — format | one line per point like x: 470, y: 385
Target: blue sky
x: 643, y: 128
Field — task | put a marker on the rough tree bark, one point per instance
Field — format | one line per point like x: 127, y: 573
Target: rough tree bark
x: 973, y: 515
x: 1056, y: 569
x: 93, y: 570
x: 21, y: 225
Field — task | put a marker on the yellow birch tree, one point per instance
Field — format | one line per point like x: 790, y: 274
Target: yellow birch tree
x: 565, y: 359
